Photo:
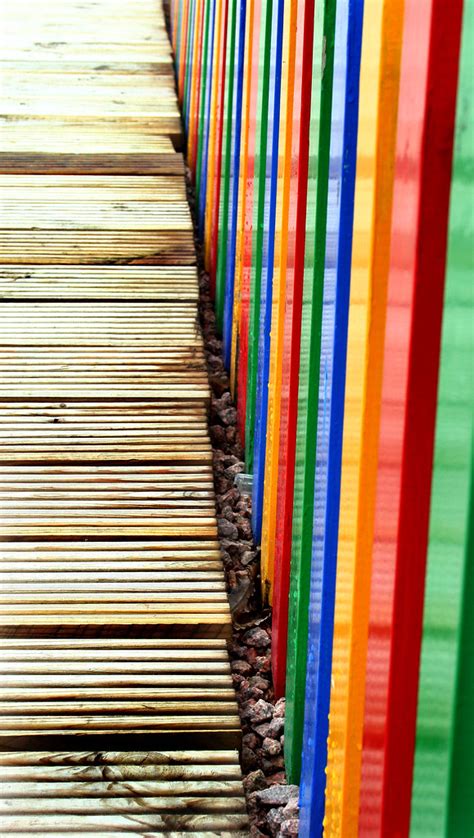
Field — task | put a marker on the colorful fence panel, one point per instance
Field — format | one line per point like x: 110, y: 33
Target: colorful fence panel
x: 371, y: 236
x: 246, y: 222
x: 203, y: 128
x: 291, y: 337
x: 265, y: 107
x: 234, y: 187
x: 444, y: 734
x: 228, y: 157
x: 411, y: 363
x: 266, y: 269
x: 319, y: 138
x: 310, y: 353
x: 331, y: 408
x: 278, y: 298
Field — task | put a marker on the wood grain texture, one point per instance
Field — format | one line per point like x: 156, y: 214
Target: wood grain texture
x: 107, y: 499
x: 107, y: 283
x: 114, y: 792
x: 34, y: 678
x: 113, y: 605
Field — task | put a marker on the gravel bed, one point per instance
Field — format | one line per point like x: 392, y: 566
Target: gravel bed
x: 272, y: 803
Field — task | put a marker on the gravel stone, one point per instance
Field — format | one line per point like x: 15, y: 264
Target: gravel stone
x: 264, y: 664
x: 254, y: 781
x: 241, y: 667
x: 262, y: 730
x: 276, y: 727
x: 227, y: 528
x: 280, y: 708
x: 290, y: 828
x: 228, y: 415
x: 278, y: 778
x: 235, y: 468
x: 258, y: 681
x: 247, y: 692
x: 272, y: 765
x: 259, y: 712
x: 291, y: 810
x: 274, y: 820
x: 277, y: 795
x: 250, y: 740
x: 250, y: 647
x: 257, y: 637
x: 271, y: 747
x: 249, y: 759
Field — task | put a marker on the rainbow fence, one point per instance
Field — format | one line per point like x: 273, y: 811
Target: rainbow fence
x: 331, y: 146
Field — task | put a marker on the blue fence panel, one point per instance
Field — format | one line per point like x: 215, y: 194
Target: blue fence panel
x: 331, y: 410
x: 234, y: 185
x: 206, y: 125
x: 268, y: 250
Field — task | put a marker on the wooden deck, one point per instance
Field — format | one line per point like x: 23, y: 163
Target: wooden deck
x: 122, y: 793
x: 113, y: 608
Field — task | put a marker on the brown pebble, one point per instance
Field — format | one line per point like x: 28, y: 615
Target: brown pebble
x: 263, y: 664
x: 257, y: 637
x: 276, y: 779
x: 254, y: 781
x: 271, y: 747
x: 250, y: 741
x: 269, y: 766
x: 249, y: 759
x: 241, y: 667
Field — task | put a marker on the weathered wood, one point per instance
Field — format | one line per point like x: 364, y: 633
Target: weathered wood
x: 35, y: 373
x: 144, y: 832
x: 227, y: 760
x: 125, y: 823
x: 107, y: 283
x: 83, y: 791
x: 126, y: 805
x: 227, y: 788
x: 112, y: 591
x: 138, y: 711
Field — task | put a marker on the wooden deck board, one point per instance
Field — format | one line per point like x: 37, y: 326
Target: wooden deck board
x: 113, y: 605
x: 34, y: 675
x: 107, y: 283
x: 103, y: 427
x: 118, y: 785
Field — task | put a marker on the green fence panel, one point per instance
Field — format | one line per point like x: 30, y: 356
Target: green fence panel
x: 261, y: 142
x: 445, y: 726
x: 303, y: 504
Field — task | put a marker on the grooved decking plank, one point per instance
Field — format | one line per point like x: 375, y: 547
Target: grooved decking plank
x: 87, y: 147
x: 198, y: 791
x: 132, y: 674
x: 113, y: 607
x: 44, y: 188
x: 97, y: 247
x: 107, y: 283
